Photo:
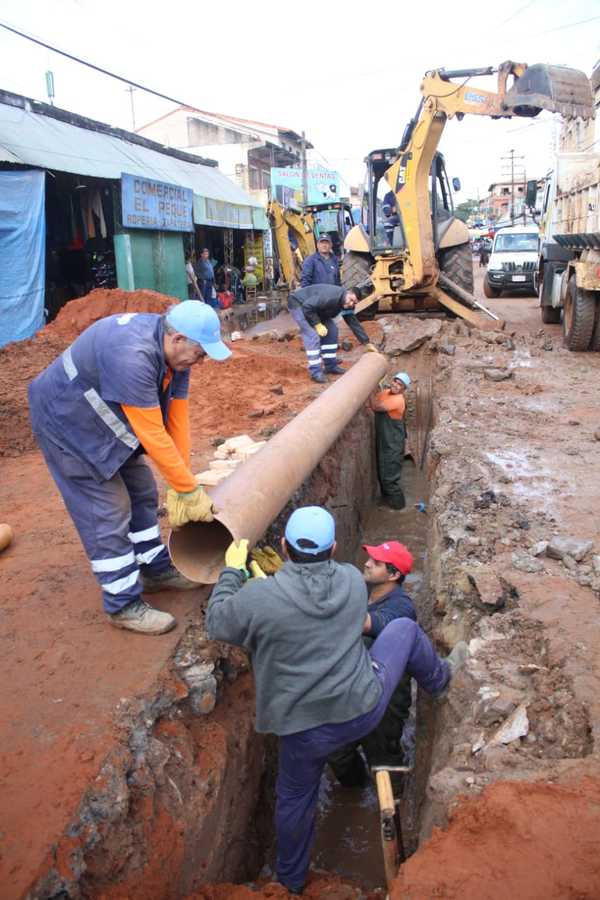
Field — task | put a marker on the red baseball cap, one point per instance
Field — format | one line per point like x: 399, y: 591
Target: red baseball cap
x: 392, y: 552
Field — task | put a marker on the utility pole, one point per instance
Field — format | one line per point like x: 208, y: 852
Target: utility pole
x: 130, y: 91
x: 512, y: 159
x: 304, y: 170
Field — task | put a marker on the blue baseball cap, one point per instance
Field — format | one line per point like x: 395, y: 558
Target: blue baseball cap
x: 200, y: 323
x: 311, y: 523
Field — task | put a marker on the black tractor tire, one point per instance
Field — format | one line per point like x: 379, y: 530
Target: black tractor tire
x: 550, y: 314
x: 595, y: 342
x: 356, y: 272
x: 578, y: 317
x: 457, y: 264
x: 489, y: 291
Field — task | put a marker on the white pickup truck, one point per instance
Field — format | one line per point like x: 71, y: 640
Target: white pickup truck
x: 513, y: 261
x: 568, y: 270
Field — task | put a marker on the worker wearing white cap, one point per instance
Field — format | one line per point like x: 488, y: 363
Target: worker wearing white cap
x: 118, y: 392
x: 389, y: 406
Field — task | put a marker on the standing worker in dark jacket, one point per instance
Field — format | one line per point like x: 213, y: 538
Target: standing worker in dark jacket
x: 206, y: 277
x: 386, y: 567
x: 314, y: 309
x: 389, y: 406
x: 317, y: 686
x: 321, y: 267
x: 118, y: 392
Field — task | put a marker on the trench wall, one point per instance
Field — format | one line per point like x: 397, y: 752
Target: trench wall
x: 183, y: 796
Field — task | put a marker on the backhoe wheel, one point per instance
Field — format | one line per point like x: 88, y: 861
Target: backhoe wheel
x: 550, y: 314
x: 578, y: 317
x: 356, y: 271
x: 489, y: 291
x: 457, y: 264
x: 595, y: 342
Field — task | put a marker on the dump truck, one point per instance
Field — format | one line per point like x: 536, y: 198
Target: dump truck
x: 410, y: 253
x: 568, y: 268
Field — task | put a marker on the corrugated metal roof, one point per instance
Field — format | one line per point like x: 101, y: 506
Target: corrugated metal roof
x: 48, y: 143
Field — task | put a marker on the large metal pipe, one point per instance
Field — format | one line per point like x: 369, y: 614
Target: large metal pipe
x: 249, y: 499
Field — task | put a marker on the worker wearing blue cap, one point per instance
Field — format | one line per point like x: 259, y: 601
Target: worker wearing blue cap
x: 118, y: 392
x: 317, y: 686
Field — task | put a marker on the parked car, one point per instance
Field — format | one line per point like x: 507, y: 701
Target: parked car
x: 513, y: 262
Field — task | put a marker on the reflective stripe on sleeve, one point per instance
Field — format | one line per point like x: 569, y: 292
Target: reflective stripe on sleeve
x: 143, y: 559
x: 138, y: 537
x: 68, y: 364
x: 121, y: 584
x: 113, y: 563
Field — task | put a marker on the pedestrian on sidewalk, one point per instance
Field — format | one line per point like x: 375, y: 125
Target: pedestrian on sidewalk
x: 321, y: 267
x: 389, y: 406
x: 314, y: 308
x: 192, y: 282
x: 384, y: 572
x: 118, y: 392
x: 205, y: 274
x: 317, y: 686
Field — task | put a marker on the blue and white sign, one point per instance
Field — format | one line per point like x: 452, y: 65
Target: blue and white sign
x: 156, y: 205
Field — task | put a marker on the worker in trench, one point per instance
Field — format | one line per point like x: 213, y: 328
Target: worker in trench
x: 314, y: 309
x: 118, y: 392
x: 389, y: 406
x: 317, y: 686
x: 385, y: 569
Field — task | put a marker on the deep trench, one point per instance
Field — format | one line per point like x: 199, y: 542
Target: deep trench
x: 347, y: 841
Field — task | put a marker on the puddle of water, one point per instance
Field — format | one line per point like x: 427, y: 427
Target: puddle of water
x: 347, y: 836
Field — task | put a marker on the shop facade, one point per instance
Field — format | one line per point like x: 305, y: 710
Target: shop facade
x: 118, y: 210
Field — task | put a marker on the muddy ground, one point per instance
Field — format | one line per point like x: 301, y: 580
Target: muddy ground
x: 513, y: 466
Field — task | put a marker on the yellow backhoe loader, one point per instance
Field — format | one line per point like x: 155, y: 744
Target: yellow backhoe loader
x: 294, y: 240
x: 410, y: 253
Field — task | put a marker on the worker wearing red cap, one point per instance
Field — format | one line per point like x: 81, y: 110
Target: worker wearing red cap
x: 385, y: 569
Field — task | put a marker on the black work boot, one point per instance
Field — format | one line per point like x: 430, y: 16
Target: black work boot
x: 336, y: 370
x: 319, y: 377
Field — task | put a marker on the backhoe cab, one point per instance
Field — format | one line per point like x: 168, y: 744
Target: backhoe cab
x: 410, y: 253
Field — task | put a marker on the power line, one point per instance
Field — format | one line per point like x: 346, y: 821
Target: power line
x: 515, y: 14
x: 562, y: 27
x: 90, y: 65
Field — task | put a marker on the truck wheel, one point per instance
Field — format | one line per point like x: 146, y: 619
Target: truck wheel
x: 550, y: 314
x: 595, y: 342
x: 457, y: 264
x: 489, y: 291
x: 578, y: 317
x: 356, y: 271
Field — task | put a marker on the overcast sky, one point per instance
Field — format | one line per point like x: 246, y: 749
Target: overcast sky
x: 347, y: 73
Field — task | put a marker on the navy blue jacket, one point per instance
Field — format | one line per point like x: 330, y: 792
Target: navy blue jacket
x: 321, y: 302
x: 395, y: 605
x: 317, y: 269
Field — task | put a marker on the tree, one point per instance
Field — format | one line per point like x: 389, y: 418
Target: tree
x: 466, y: 209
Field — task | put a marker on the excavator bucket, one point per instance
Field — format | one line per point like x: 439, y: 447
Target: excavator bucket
x: 555, y: 88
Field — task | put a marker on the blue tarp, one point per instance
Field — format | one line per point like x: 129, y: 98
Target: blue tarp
x: 22, y: 254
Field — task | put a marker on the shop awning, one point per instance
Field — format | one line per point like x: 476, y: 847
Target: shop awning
x: 38, y: 140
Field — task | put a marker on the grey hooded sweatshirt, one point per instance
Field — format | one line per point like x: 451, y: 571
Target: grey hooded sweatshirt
x: 303, y: 630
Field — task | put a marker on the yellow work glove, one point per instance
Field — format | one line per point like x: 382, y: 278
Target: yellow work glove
x: 268, y: 559
x: 236, y: 555
x: 256, y: 570
x: 321, y: 330
x: 195, y: 506
x: 371, y: 347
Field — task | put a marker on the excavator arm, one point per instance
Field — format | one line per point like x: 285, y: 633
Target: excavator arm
x: 285, y: 221
x: 555, y: 88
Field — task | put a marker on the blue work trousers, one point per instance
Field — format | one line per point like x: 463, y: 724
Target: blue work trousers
x: 317, y: 348
x: 116, y: 521
x: 401, y: 647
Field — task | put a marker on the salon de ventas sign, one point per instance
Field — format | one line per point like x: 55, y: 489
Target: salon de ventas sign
x: 155, y: 204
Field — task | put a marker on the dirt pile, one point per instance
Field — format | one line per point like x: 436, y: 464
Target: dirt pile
x: 514, y: 840
x: 77, y: 315
x: 320, y: 885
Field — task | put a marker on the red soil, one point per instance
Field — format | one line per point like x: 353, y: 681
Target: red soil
x: 516, y: 840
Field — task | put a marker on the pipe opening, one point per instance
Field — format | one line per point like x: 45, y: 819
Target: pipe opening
x: 197, y: 550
